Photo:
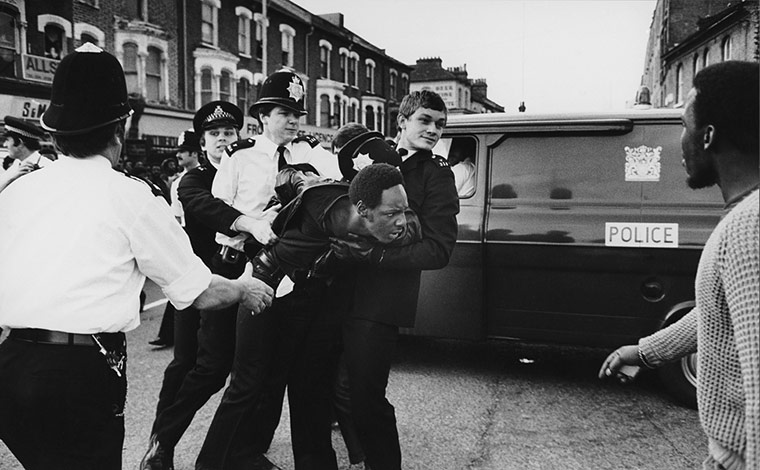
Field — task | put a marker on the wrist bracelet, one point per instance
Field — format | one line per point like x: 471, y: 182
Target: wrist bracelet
x: 643, y: 360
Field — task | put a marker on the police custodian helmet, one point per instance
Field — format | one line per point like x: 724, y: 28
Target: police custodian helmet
x: 217, y: 114
x: 283, y: 88
x: 189, y: 141
x: 363, y: 150
x: 89, y: 91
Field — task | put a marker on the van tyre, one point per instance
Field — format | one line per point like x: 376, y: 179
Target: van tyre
x: 680, y: 379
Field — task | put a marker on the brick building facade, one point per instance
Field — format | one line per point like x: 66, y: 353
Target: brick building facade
x: 178, y: 55
x: 687, y: 35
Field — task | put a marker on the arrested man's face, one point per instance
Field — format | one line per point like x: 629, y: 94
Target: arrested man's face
x: 387, y: 221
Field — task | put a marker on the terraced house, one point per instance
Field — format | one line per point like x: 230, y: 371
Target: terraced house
x: 179, y: 55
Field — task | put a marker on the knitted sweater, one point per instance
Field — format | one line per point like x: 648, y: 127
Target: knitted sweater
x: 724, y: 328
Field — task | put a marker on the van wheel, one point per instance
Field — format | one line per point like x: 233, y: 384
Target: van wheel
x: 680, y: 379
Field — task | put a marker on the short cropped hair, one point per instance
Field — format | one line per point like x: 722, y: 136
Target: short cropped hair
x: 727, y: 98
x: 421, y: 99
x: 265, y: 109
x: 347, y: 132
x: 89, y: 143
x: 368, y: 185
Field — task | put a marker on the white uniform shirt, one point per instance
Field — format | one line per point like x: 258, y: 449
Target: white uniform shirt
x: 464, y: 178
x: 246, y: 180
x: 76, y: 242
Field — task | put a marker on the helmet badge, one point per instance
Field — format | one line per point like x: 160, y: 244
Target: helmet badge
x: 362, y: 160
x: 295, y: 89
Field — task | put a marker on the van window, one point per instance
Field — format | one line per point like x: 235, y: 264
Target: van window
x: 564, y: 167
x: 461, y: 153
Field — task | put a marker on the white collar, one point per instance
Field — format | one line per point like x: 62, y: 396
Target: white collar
x: 269, y: 147
x: 92, y: 161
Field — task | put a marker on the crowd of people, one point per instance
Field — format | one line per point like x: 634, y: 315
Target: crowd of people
x: 278, y: 258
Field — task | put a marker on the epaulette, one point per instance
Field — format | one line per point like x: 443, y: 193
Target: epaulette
x: 309, y: 139
x: 153, y: 188
x: 240, y: 144
x: 440, y: 161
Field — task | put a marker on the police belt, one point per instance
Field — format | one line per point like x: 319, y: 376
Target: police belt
x: 230, y: 255
x: 35, y: 335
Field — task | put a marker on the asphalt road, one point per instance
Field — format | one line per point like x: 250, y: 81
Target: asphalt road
x: 469, y: 406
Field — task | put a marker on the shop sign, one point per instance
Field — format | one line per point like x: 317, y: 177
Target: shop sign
x: 23, y: 107
x: 323, y: 134
x: 137, y: 148
x: 38, y: 68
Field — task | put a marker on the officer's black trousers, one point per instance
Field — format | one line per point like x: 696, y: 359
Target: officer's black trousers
x: 369, y: 348
x: 216, y: 346
x: 291, y: 344
x: 61, y: 407
x: 253, y: 357
x: 186, y: 324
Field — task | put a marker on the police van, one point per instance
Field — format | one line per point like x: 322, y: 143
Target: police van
x: 581, y: 230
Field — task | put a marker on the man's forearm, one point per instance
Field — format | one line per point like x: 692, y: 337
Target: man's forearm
x: 671, y: 343
x: 220, y: 293
x: 424, y: 255
x: 431, y: 249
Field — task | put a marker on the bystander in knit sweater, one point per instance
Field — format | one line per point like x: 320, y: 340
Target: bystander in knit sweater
x: 725, y: 329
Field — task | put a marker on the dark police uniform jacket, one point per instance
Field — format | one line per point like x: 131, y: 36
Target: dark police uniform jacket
x: 204, y: 214
x: 388, y: 288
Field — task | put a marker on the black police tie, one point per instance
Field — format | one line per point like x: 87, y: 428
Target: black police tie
x: 402, y: 152
x: 281, y: 159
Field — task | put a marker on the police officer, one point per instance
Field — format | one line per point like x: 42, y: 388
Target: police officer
x: 370, y: 331
x: 188, y: 153
x: 23, y: 145
x: 246, y: 181
x: 204, y: 341
x: 69, y: 300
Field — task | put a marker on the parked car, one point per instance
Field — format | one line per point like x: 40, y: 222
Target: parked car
x: 581, y: 231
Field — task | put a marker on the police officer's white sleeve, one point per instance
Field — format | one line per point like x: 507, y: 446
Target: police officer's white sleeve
x: 325, y: 162
x: 176, y: 204
x: 163, y: 253
x: 226, y: 180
